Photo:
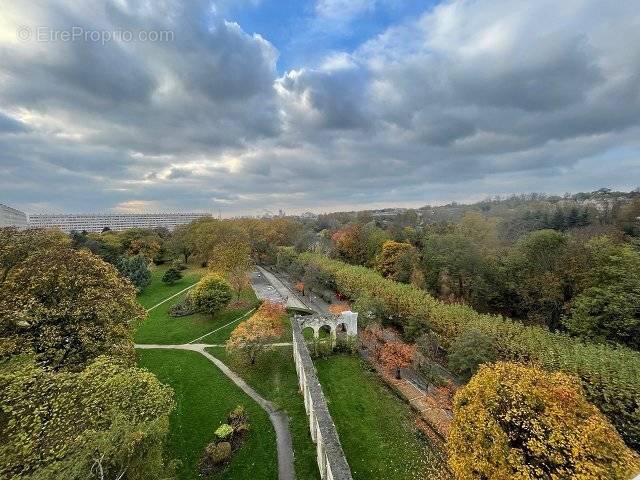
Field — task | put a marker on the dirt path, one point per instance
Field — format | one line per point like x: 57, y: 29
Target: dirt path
x: 279, y: 419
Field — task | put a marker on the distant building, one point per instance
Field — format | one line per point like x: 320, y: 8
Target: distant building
x: 10, y: 217
x: 112, y: 221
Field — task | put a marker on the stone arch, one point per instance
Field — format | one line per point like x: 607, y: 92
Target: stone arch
x: 308, y: 333
x: 348, y: 322
x: 325, y: 331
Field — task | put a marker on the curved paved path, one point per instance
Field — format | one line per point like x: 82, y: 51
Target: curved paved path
x: 279, y: 420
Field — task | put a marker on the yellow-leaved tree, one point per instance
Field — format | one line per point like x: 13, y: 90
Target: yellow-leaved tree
x: 513, y: 421
x: 232, y: 259
x: 253, y: 337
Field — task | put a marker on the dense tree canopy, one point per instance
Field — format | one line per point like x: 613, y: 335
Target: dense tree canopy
x: 17, y: 245
x: 513, y: 421
x: 68, y: 307
x: 609, y: 308
x: 109, y: 416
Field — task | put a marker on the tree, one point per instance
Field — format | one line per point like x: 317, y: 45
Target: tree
x: 350, y: 244
x: 68, y: 307
x: 211, y: 294
x: 136, y: 269
x: 252, y: 337
x: 609, y: 308
x: 171, y: 276
x: 181, y: 242
x: 338, y: 308
x: 543, y: 272
x: 515, y: 421
x: 17, y: 245
x: 469, y: 351
x: 108, y: 420
x: 232, y: 260
x: 395, y: 355
x: 397, y: 261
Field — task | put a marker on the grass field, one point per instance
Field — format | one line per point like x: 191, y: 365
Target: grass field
x: 161, y: 328
x: 375, y: 427
x: 274, y: 377
x: 204, y: 397
x: 158, y: 291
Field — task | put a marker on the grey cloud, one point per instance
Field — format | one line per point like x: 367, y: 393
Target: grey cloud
x: 11, y: 125
x: 469, y: 99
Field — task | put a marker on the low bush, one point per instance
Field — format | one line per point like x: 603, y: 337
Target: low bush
x: 215, y: 458
x: 224, y: 431
x: 178, y: 265
x: 228, y: 438
x: 183, y: 308
x: 609, y: 375
x: 171, y: 276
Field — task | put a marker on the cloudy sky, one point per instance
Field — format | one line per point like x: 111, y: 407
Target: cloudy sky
x: 245, y: 106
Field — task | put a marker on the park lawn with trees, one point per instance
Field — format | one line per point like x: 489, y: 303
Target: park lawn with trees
x: 162, y: 328
x: 158, y: 291
x: 204, y: 396
x: 375, y: 426
x: 274, y: 377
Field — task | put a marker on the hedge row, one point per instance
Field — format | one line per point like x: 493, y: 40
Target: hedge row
x: 609, y: 375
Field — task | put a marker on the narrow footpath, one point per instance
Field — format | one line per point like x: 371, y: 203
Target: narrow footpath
x: 279, y: 419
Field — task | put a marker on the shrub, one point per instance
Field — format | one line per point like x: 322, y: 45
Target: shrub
x: 395, y: 355
x: 469, y: 351
x: 211, y: 294
x: 183, y: 308
x: 171, y: 276
x: 215, y: 456
x: 178, y: 265
x: 609, y: 375
x: 514, y: 421
x: 238, y: 416
x: 224, y: 431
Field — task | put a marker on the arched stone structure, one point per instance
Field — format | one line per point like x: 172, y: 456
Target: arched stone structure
x: 331, y: 460
x: 348, y: 319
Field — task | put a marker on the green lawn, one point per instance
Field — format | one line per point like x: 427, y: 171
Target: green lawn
x: 204, y: 397
x: 274, y: 377
x: 375, y: 427
x: 158, y: 291
x: 161, y: 328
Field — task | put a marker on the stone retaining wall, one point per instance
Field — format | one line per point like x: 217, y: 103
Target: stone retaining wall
x: 331, y: 460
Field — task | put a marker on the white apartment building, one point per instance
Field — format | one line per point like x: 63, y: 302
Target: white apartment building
x: 114, y: 221
x: 10, y: 217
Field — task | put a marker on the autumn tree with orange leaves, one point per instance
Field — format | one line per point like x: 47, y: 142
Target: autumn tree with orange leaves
x: 338, y: 308
x: 395, y: 355
x: 253, y: 337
